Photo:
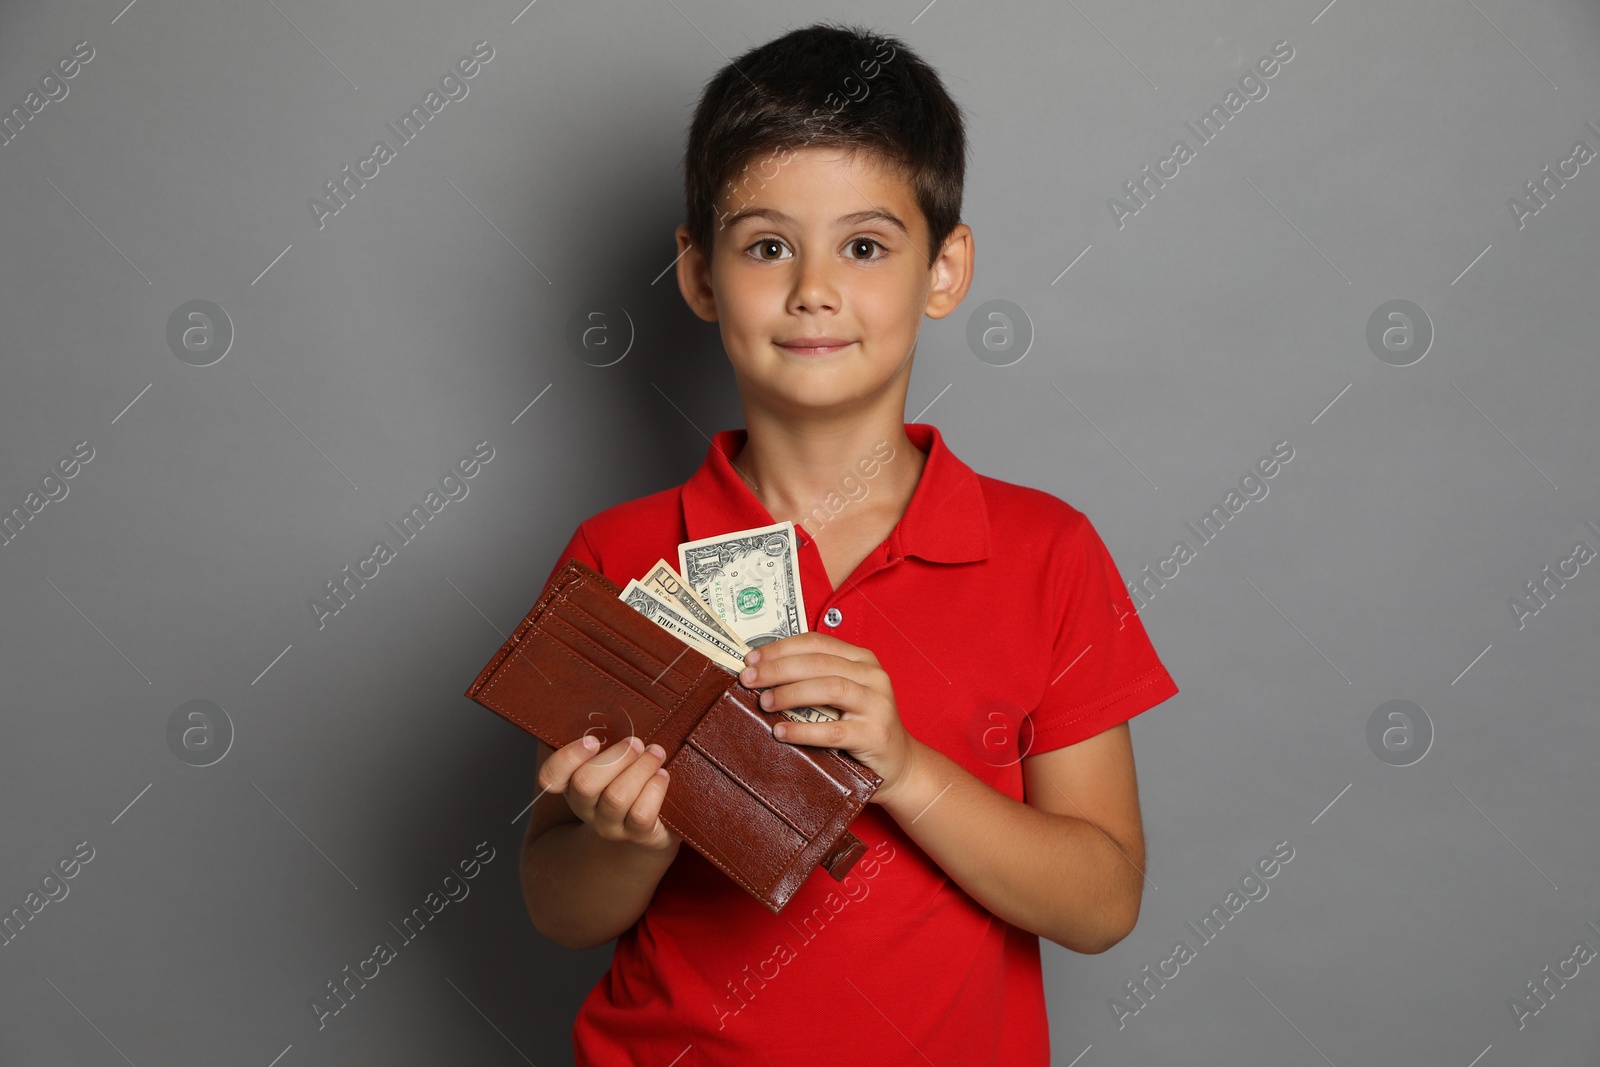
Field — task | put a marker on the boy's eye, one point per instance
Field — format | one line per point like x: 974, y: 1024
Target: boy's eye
x: 858, y: 243
x: 765, y: 244
x: 859, y: 248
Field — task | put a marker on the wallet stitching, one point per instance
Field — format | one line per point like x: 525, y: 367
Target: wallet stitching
x: 514, y: 642
x: 667, y: 714
x: 783, y: 871
x: 843, y: 817
x: 849, y: 764
x: 591, y: 642
x: 807, y: 840
x: 492, y: 668
x: 488, y: 689
x: 725, y: 867
x: 765, y: 802
x: 625, y: 639
x: 707, y: 851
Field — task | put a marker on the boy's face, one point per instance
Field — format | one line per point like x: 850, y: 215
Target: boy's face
x: 819, y: 276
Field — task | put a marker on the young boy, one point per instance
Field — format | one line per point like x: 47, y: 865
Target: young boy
x: 975, y: 633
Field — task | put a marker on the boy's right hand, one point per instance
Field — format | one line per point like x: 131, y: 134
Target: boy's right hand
x: 617, y: 791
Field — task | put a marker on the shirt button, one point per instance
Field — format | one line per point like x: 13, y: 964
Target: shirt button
x: 833, y: 617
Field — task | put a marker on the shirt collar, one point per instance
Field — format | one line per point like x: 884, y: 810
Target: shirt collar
x: 946, y: 520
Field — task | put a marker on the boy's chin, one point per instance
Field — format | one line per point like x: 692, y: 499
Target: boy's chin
x: 818, y: 402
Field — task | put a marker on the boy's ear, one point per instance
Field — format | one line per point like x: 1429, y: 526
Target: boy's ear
x: 951, y: 273
x: 694, y: 277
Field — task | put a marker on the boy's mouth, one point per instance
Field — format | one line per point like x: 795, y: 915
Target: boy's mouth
x: 814, y: 346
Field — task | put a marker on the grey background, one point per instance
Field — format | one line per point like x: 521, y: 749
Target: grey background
x: 1227, y: 315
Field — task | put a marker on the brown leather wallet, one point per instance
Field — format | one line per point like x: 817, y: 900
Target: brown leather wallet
x: 762, y: 810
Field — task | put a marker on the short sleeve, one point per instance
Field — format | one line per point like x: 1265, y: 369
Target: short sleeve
x: 577, y: 547
x: 1103, y: 668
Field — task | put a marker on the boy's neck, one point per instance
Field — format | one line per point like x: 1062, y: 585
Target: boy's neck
x: 792, y: 467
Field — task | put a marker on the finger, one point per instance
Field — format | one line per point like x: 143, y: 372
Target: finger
x: 841, y: 693
x: 835, y: 734
x: 640, y: 821
x: 617, y: 797
x: 558, y: 768
x: 592, y: 778
x: 620, y: 752
x: 807, y: 665
x: 811, y: 641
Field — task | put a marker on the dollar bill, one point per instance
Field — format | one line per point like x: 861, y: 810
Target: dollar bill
x: 750, y: 579
x: 664, y: 597
x: 669, y: 616
x: 669, y: 586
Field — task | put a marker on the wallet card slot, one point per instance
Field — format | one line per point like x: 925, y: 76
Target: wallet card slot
x: 628, y: 672
x: 620, y: 621
x: 672, y: 673
x: 602, y: 663
x: 580, y: 696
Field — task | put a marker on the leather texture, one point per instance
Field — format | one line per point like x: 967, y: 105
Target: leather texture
x: 764, y: 811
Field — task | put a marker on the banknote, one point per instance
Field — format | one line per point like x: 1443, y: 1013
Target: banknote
x: 670, y: 616
x: 750, y: 579
x: 665, y: 582
x: 667, y: 599
x: 665, y: 613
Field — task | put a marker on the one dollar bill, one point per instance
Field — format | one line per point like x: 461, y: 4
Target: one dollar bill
x: 751, y: 580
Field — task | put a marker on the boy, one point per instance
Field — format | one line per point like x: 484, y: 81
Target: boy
x: 975, y: 634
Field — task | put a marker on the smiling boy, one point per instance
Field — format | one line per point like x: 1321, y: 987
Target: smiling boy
x: 975, y: 633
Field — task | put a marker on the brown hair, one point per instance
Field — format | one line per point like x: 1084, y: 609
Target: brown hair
x: 825, y: 85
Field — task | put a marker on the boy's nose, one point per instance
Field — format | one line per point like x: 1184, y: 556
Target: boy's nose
x: 814, y: 290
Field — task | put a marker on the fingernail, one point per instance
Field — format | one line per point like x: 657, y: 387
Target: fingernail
x: 747, y: 675
x: 662, y: 771
x: 778, y: 730
x: 766, y: 698
x: 753, y: 655
x: 657, y: 751
x: 590, y: 742
x: 636, y: 744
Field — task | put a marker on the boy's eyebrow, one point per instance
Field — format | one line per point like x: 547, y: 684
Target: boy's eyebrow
x: 853, y: 219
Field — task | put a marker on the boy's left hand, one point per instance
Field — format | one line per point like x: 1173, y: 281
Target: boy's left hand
x: 815, y: 668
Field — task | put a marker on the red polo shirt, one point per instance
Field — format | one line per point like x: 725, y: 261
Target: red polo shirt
x: 1005, y: 628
